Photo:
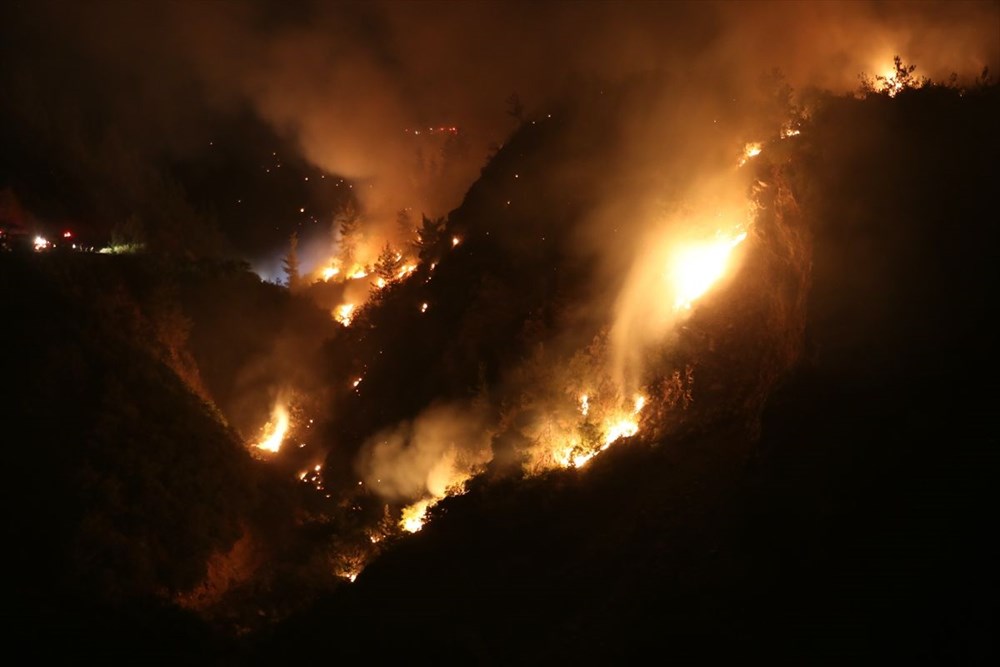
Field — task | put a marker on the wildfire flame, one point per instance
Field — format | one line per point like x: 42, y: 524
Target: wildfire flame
x: 570, y: 451
x: 691, y: 270
x: 750, y: 151
x: 414, y: 516
x: 276, y: 429
x: 344, y: 313
x: 623, y: 428
x: 313, y: 476
x: 695, y: 268
x: 334, y: 270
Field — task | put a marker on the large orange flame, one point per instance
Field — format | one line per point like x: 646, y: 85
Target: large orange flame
x: 275, y: 430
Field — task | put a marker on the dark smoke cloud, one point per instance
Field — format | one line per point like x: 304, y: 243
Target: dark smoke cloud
x: 345, y: 79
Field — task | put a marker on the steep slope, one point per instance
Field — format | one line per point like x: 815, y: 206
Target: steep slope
x: 123, y: 479
x: 852, y: 528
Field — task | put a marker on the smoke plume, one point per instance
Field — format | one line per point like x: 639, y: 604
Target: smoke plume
x: 349, y: 82
x: 428, y: 456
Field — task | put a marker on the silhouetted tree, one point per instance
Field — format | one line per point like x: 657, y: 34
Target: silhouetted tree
x: 404, y: 223
x: 346, y: 223
x: 430, y: 233
x: 985, y: 78
x: 777, y: 103
x: 291, y: 263
x: 901, y: 78
x: 388, y: 264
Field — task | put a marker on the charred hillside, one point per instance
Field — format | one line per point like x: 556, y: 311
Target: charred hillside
x: 852, y: 527
x: 808, y: 478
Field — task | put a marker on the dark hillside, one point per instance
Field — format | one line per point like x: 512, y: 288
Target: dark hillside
x: 842, y: 516
x: 854, y: 528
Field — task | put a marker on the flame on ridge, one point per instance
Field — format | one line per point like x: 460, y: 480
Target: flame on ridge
x: 275, y: 430
x: 750, y: 151
x: 344, y: 313
x: 696, y: 267
x: 571, y: 451
x: 414, y: 516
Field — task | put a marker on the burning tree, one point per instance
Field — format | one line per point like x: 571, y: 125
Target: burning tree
x: 892, y: 81
x: 429, y: 234
x: 388, y: 265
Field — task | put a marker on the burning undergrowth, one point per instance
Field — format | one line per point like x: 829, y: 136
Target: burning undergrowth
x: 511, y: 339
x: 631, y: 266
x: 559, y: 312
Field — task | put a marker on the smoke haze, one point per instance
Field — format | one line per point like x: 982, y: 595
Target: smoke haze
x: 347, y: 80
x: 442, y: 447
x: 351, y: 83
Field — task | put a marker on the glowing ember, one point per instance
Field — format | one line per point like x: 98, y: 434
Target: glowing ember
x: 455, y: 241
x: 41, y: 243
x: 697, y: 267
x: 313, y: 477
x: 344, y: 313
x: 406, y: 270
x: 276, y: 429
x: 356, y: 382
x: 380, y: 283
x: 423, y: 307
x: 414, y: 516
